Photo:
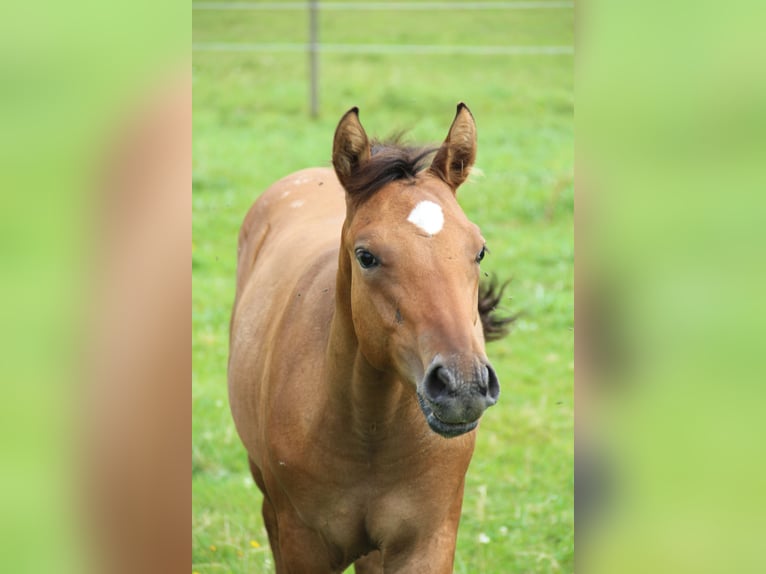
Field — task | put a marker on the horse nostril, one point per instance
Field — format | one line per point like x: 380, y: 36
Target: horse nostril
x: 438, y: 383
x: 483, y: 380
x: 493, y: 385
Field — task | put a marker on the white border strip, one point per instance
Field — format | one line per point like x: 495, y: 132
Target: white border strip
x: 383, y: 49
x: 321, y: 6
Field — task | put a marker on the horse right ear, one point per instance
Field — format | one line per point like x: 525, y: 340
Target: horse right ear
x: 350, y: 148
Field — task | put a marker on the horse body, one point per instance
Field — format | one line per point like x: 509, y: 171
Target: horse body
x: 357, y: 371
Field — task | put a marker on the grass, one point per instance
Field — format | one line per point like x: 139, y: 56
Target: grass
x: 251, y: 127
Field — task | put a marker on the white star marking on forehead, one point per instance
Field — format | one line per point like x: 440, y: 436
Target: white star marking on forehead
x: 428, y: 216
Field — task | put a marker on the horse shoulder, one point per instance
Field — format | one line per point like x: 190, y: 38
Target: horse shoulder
x: 287, y: 261
x: 304, y: 196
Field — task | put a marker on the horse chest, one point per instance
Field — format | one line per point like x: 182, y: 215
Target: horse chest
x: 323, y: 498
x: 369, y: 501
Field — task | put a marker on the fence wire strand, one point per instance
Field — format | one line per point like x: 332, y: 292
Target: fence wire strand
x: 385, y: 49
x: 386, y: 6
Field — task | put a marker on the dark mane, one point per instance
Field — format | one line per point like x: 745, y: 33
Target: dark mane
x: 390, y: 161
x: 490, y: 294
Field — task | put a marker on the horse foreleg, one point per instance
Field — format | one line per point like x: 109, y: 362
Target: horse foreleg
x: 432, y: 553
x: 270, y: 520
x: 269, y: 516
x: 371, y: 563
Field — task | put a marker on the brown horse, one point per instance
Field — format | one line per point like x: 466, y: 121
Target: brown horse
x: 357, y: 370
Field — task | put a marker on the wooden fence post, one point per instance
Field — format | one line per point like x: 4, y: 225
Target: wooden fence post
x: 314, y: 56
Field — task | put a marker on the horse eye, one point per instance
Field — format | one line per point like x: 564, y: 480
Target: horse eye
x: 366, y: 259
x: 481, y: 254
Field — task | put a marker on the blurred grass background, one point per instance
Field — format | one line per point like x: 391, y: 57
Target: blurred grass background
x: 252, y: 126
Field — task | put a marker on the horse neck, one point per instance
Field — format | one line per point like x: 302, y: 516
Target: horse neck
x: 367, y: 397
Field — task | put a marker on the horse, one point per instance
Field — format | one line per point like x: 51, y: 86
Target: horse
x: 357, y: 369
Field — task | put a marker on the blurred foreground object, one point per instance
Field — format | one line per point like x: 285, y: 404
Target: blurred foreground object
x: 670, y: 257
x: 72, y: 314
x: 135, y: 427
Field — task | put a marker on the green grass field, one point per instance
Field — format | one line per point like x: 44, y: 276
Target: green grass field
x: 252, y: 126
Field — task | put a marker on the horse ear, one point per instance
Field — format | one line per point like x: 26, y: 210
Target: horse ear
x: 456, y: 155
x: 350, y: 148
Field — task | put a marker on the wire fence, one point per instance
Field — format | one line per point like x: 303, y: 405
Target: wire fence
x: 314, y: 47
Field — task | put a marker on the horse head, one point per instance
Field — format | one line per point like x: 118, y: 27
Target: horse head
x: 410, y: 263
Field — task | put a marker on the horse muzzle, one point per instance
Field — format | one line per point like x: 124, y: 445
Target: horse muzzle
x: 453, y: 396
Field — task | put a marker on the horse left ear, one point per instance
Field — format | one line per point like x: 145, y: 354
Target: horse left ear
x: 456, y: 155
